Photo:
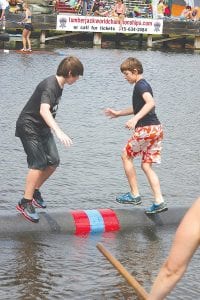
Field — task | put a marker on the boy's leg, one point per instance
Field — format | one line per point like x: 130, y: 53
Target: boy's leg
x: 153, y: 181
x: 42, y: 158
x: 151, y: 153
x: 131, y: 150
x: 130, y: 173
x: 52, y: 159
x: 32, y: 179
x: 133, y: 196
x: 24, y: 35
x: 45, y: 174
x: 28, y: 40
x: 35, y: 179
x: 159, y: 205
x: 25, y: 204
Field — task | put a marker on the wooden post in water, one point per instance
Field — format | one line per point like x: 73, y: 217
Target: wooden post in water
x: 97, y: 38
x: 197, y: 42
x: 42, y: 37
x: 149, y: 41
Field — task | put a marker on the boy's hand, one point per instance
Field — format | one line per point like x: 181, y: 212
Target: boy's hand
x: 65, y: 139
x: 131, y: 124
x: 111, y: 113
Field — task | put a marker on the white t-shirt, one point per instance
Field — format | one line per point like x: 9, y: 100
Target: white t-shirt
x: 4, y: 4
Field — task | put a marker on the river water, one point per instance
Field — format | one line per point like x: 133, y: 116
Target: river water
x: 90, y: 174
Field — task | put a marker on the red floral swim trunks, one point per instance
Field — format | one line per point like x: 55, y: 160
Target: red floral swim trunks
x: 146, y: 141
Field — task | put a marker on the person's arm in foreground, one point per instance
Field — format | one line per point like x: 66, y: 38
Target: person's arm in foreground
x: 47, y: 116
x: 186, y: 241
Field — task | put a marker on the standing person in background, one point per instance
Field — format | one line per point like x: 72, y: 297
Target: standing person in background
x: 147, y: 134
x: 4, y: 9
x: 28, y: 28
x: 34, y: 127
x: 186, y: 242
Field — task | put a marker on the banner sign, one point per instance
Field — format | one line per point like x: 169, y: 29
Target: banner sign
x: 108, y: 24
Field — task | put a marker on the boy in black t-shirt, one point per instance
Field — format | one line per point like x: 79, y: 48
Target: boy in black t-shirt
x: 146, y: 138
x: 34, y: 127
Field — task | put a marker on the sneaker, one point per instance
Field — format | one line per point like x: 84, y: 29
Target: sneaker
x: 38, y: 200
x: 29, y: 50
x: 156, y: 208
x: 28, y: 211
x: 129, y: 199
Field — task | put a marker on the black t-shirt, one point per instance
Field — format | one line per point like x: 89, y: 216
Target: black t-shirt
x: 30, y: 120
x: 140, y: 88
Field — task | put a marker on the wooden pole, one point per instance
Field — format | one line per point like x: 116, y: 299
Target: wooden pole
x: 140, y: 291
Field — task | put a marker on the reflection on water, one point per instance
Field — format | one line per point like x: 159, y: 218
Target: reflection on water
x: 63, y: 267
x: 29, y: 269
x: 90, y: 174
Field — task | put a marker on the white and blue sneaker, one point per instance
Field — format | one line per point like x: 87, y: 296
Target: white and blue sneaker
x: 128, y: 198
x: 156, y: 208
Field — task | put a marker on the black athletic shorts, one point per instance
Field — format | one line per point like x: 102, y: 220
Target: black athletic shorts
x: 41, y: 151
x: 28, y: 26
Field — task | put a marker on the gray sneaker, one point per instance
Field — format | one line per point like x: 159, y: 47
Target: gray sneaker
x: 38, y: 200
x: 27, y: 210
x: 156, y: 208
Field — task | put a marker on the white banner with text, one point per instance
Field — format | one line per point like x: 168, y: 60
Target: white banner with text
x: 108, y: 24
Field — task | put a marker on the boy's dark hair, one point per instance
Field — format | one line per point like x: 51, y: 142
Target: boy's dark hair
x: 131, y: 64
x: 70, y: 65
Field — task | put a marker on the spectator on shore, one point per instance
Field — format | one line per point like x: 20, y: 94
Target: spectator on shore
x: 119, y: 11
x: 160, y: 9
x: 150, y: 10
x: 167, y: 11
x: 135, y: 13
x: 12, y: 4
x: 194, y: 14
x: 103, y: 12
x: 19, y: 6
x: 4, y: 9
x: 28, y: 28
x: 54, y: 3
x: 185, y: 15
x: 96, y: 5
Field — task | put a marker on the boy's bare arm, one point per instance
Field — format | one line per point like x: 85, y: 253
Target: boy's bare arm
x: 48, y: 118
x: 118, y: 113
